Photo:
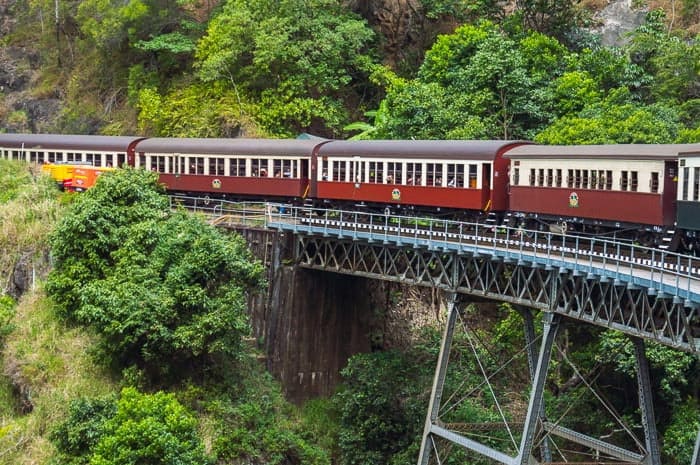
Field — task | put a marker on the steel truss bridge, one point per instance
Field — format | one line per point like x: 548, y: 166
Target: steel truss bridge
x: 648, y: 294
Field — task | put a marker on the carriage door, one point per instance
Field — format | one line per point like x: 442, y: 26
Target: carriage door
x: 670, y: 190
x: 486, y: 186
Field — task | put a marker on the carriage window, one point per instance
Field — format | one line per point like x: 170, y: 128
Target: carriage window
x: 90, y: 158
x: 601, y: 179
x: 455, y: 175
x: 216, y: 166
x: 52, y: 157
x: 624, y: 181
x: 356, y: 170
x: 532, y: 176
x: 324, y: 169
x: 339, y: 167
x: 584, y: 179
x: 433, y: 174
x: 259, y: 167
x: 472, y: 176
x: 394, y: 173
x: 414, y: 174
x: 516, y: 176
x: 696, y: 184
x: 158, y: 164
x: 376, y: 172
x: 142, y: 160
x: 654, y: 183
x: 686, y: 174
x: 550, y: 177
x: 570, y: 179
x: 540, y: 177
x: 557, y: 180
x: 634, y: 181
x: 577, y: 179
x: 594, y: 179
x: 196, y: 165
x: 237, y: 167
x: 33, y: 156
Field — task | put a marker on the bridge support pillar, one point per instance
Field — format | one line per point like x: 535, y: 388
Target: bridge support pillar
x: 535, y: 409
x: 536, y: 403
x: 531, y: 361
x: 439, y: 379
x: 646, y: 405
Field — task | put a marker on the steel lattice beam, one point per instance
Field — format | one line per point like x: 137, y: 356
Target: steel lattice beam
x: 603, y: 302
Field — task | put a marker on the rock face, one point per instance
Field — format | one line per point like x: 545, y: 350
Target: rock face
x: 618, y: 18
x: 311, y: 322
x: 20, y: 111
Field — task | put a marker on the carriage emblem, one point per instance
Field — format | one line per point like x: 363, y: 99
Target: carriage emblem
x: 216, y: 183
x: 396, y: 194
x: 573, y: 200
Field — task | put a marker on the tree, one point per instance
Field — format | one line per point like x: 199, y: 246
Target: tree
x: 551, y: 17
x: 165, y: 290
x: 149, y: 428
x: 379, y: 415
x: 615, y: 120
x: 296, y: 60
x: 477, y: 83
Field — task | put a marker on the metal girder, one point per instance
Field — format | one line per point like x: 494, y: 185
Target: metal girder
x: 646, y: 404
x: 599, y: 301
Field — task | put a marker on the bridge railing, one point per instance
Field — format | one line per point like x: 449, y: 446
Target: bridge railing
x: 221, y: 211
x: 659, y: 271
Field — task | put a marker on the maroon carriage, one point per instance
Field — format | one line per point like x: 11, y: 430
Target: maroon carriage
x: 241, y: 168
x: 437, y: 174
x: 608, y: 187
x: 68, y: 149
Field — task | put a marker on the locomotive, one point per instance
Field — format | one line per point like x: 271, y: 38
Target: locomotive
x: 649, y: 194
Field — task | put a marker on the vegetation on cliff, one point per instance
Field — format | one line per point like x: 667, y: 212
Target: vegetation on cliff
x: 419, y: 69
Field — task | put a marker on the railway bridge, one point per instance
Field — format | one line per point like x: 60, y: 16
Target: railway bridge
x: 648, y: 294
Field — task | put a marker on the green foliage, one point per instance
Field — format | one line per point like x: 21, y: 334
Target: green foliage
x: 556, y: 18
x: 380, y: 410
x: 673, y: 367
x: 461, y: 10
x: 149, y: 428
x: 476, y: 83
x: 7, y: 311
x: 94, y: 227
x: 679, y: 437
x: 295, y: 59
x: 76, y: 437
x: 164, y: 290
x: 615, y: 120
x: 254, y: 424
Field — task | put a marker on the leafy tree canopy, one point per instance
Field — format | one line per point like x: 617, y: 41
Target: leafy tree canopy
x: 296, y: 58
x: 149, y: 428
x: 165, y: 290
x: 615, y: 120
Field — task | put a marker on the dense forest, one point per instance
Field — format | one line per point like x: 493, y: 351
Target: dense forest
x: 139, y: 351
x: 458, y: 69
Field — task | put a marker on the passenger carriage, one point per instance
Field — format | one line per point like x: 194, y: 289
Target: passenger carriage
x: 261, y: 168
x: 449, y: 175
x: 688, y: 206
x: 68, y: 149
x: 627, y: 189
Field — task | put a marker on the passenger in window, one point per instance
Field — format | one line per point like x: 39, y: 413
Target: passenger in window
x: 390, y: 179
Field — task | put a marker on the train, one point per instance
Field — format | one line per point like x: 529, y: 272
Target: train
x: 648, y: 194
